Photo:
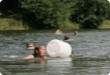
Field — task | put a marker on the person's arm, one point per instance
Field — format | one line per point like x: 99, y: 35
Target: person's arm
x: 29, y: 57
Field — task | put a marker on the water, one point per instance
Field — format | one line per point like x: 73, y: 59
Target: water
x: 91, y: 54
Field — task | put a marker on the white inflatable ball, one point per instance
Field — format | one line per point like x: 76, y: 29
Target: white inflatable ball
x: 58, y: 48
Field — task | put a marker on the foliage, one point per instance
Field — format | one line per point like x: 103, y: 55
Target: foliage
x: 12, y: 24
x: 10, y: 6
x: 90, y: 13
x: 50, y: 12
x: 57, y: 13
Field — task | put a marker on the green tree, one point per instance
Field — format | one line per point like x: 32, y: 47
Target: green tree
x: 10, y: 6
x: 108, y: 7
x: 50, y: 12
x: 90, y: 13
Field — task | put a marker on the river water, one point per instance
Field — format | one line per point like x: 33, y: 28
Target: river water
x: 91, y: 53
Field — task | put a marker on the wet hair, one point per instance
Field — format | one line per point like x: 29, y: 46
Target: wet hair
x: 66, y: 37
x: 36, y: 52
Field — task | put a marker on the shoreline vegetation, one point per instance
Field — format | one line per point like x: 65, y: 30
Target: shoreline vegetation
x: 66, y: 15
x: 12, y: 24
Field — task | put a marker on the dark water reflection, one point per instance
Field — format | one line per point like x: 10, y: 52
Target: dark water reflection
x: 91, y: 54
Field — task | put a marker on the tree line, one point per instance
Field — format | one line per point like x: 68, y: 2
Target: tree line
x: 88, y: 14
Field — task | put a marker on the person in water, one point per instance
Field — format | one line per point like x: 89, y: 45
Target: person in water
x: 66, y: 37
x: 39, y: 52
x: 76, y: 33
x: 58, y: 31
x: 30, y: 46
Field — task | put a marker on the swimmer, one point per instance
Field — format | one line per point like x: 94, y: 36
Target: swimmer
x: 66, y: 37
x: 39, y: 52
x: 58, y: 32
x: 76, y: 33
x: 30, y: 46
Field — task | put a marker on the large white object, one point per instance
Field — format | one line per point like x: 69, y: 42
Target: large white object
x: 0, y: 0
x: 0, y: 73
x: 109, y: 0
x: 58, y: 48
x: 108, y: 74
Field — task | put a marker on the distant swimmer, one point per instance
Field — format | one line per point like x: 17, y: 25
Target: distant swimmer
x: 58, y: 31
x: 39, y: 52
x: 66, y: 37
x: 30, y: 46
x: 76, y: 33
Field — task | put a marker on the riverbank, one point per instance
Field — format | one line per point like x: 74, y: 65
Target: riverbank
x: 13, y: 24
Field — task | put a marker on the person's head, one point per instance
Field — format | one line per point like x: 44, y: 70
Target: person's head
x: 36, y: 52
x: 41, y: 51
x: 66, y: 37
x: 30, y: 46
x: 76, y: 33
x: 42, y: 47
x: 58, y: 32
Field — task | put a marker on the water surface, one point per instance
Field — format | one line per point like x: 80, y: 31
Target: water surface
x: 91, y: 53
